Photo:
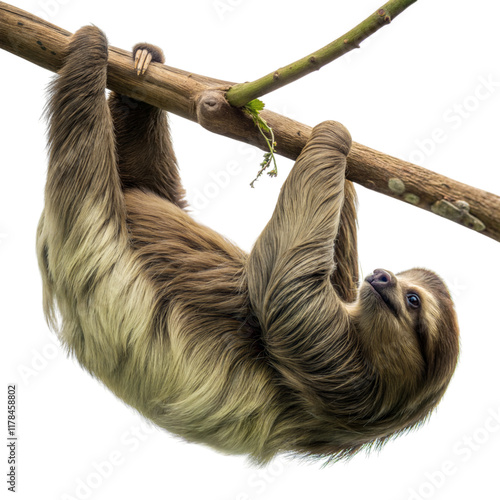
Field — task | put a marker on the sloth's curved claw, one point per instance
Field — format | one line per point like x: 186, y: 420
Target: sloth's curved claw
x: 143, y: 58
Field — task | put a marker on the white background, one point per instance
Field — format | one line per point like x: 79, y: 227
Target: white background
x: 422, y: 73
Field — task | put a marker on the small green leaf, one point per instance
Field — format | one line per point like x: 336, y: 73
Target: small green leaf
x: 256, y: 105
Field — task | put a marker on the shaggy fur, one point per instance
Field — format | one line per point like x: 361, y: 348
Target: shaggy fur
x: 255, y: 354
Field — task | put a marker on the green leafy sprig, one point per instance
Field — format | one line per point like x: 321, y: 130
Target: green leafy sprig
x: 253, y: 108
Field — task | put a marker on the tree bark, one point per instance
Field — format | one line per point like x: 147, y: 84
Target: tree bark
x: 202, y: 99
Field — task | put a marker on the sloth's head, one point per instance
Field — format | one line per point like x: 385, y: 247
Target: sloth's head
x: 408, y: 330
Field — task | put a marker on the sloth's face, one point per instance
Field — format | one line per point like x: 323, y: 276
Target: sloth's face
x: 407, y: 326
x: 401, y: 297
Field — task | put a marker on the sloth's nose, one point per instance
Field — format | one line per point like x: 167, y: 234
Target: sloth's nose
x: 380, y: 278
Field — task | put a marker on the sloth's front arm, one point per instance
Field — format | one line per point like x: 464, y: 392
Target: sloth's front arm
x: 292, y: 263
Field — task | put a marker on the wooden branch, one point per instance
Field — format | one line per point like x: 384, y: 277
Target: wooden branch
x: 201, y: 99
x: 242, y: 93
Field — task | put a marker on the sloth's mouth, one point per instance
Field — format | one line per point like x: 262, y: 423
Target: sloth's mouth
x: 384, y: 299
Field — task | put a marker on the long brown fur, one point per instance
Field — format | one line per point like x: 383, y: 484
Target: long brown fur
x: 257, y: 354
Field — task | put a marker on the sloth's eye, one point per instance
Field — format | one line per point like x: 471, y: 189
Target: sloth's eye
x: 413, y: 300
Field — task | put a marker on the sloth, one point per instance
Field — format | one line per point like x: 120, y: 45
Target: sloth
x: 275, y: 351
